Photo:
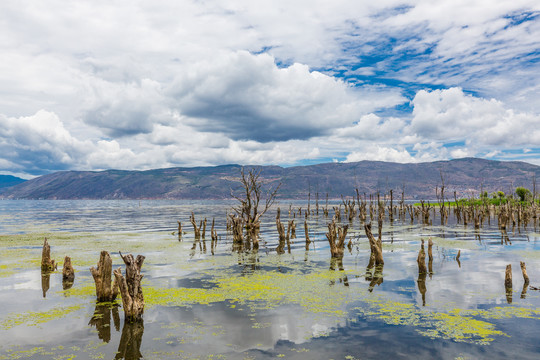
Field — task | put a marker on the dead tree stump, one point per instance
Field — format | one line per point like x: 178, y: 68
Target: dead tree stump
x: 524, y: 272
x: 106, y: 289
x: 508, y: 283
x: 130, y: 287
x: 336, y: 237
x: 421, y: 260
x: 47, y: 264
x: 376, y: 246
x: 306, y: 232
x: 68, y: 274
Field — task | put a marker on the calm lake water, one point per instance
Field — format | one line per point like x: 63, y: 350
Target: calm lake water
x: 210, y: 302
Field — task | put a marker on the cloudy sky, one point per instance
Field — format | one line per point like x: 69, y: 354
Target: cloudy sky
x: 91, y: 85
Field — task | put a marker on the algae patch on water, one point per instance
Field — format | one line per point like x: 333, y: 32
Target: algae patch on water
x: 34, y: 318
x: 264, y: 290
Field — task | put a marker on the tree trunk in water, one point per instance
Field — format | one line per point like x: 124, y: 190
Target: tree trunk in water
x: 376, y: 247
x: 130, y: 287
x: 106, y: 290
x: 508, y: 283
x: 68, y: 274
x: 47, y: 264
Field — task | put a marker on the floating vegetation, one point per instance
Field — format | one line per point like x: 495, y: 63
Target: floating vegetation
x: 35, y: 318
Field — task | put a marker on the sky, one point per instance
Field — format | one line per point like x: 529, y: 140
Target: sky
x: 135, y: 85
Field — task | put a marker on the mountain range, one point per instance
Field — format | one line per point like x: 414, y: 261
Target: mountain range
x: 467, y: 177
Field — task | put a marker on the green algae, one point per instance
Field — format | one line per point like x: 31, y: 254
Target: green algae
x: 262, y: 290
x: 34, y: 318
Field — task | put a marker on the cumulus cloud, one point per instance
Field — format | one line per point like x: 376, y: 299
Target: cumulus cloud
x: 247, y: 96
x: 451, y: 114
x: 138, y: 85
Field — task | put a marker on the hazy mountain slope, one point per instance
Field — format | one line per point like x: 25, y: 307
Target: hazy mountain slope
x: 463, y: 175
x: 8, y: 180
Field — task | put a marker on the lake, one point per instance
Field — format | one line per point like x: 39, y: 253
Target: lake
x: 205, y: 300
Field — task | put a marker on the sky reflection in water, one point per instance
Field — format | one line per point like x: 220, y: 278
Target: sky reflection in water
x: 389, y: 319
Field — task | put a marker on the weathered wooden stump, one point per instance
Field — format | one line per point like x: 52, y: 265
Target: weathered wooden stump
x: 430, y: 257
x: 421, y: 260
x: 336, y: 238
x: 508, y: 283
x: 130, y: 287
x: 306, y: 232
x: 376, y: 247
x: 525, y: 279
x: 68, y: 274
x: 47, y: 264
x: 106, y: 289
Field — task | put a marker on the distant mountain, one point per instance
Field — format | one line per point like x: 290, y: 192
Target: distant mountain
x: 465, y: 176
x: 8, y: 180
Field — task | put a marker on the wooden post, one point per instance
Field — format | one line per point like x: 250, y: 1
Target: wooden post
x: 47, y: 264
x: 179, y: 231
x: 130, y: 287
x: 68, y: 274
x: 106, y: 290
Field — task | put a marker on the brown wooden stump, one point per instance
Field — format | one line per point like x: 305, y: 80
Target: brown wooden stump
x: 376, y: 246
x: 106, y: 289
x: 130, y: 287
x: 525, y: 279
x: 430, y: 257
x: 47, y: 264
x: 421, y: 260
x: 336, y: 238
x: 306, y: 232
x: 508, y: 283
x: 68, y: 274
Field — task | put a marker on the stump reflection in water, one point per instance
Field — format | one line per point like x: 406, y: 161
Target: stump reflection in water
x: 102, y: 320
x: 129, y: 347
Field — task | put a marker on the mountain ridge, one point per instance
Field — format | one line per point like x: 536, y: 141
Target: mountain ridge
x: 466, y: 176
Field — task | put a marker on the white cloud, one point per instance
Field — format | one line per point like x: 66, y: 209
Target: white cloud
x: 140, y: 85
x: 452, y: 115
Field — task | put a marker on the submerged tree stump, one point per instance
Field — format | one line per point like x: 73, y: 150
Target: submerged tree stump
x: 68, y: 274
x: 47, y: 264
x: 376, y: 247
x: 306, y: 232
x: 508, y: 283
x: 336, y: 238
x: 130, y: 287
x: 106, y: 289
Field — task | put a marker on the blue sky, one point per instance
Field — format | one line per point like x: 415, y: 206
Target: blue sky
x: 92, y: 85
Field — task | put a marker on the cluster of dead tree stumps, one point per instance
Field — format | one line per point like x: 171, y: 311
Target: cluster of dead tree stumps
x: 107, y: 287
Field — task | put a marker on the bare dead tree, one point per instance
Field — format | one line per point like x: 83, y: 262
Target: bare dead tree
x: 253, y: 203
